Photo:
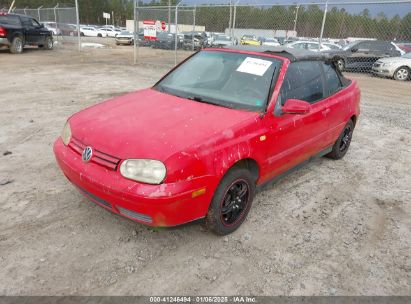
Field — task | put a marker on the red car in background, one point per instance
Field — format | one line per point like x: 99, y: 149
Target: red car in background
x: 198, y: 143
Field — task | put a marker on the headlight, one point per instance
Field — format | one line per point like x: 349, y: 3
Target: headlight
x: 66, y: 134
x: 387, y: 64
x: 143, y: 170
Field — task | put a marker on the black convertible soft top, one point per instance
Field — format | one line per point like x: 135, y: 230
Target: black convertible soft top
x: 290, y: 53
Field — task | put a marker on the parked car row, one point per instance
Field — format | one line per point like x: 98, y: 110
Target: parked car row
x: 91, y: 31
x: 382, y: 58
x: 65, y: 29
x: 379, y: 57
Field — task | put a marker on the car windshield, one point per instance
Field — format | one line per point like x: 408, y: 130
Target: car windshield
x: 227, y: 79
x: 126, y: 33
x: 248, y: 37
x: 408, y: 56
x: 270, y: 40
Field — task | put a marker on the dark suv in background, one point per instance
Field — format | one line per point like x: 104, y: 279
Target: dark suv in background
x: 361, y: 55
x: 17, y: 31
x: 166, y: 41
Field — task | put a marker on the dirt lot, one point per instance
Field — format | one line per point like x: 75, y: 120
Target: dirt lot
x: 331, y: 228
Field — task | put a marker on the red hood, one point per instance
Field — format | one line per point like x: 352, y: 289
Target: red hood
x: 150, y: 124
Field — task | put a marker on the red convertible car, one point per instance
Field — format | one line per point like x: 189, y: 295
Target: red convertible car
x: 214, y: 129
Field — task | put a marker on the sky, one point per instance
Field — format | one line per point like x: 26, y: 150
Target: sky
x: 389, y: 9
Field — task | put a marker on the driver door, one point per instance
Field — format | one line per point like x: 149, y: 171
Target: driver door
x: 294, y: 138
x: 33, y: 31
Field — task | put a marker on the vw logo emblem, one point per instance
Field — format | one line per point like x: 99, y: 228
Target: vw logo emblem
x: 87, y: 154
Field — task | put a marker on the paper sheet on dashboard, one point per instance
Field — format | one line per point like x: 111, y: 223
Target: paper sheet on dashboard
x: 254, y: 66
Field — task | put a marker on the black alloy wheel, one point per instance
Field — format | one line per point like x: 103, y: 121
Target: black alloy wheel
x: 235, y: 202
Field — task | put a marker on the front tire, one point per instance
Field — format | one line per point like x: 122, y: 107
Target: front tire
x: 342, y: 144
x: 16, y: 46
x: 231, y: 202
x: 402, y: 74
x: 48, y: 45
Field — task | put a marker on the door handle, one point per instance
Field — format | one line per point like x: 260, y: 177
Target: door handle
x: 326, y: 111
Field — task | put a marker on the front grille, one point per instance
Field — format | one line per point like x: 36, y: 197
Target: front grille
x: 135, y: 215
x: 98, y: 157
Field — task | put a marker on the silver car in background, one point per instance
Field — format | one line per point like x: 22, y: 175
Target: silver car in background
x: 221, y: 41
x: 125, y: 37
x: 398, y: 68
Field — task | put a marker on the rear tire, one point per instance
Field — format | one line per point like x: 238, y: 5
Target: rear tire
x: 342, y: 144
x: 231, y: 202
x: 16, y: 46
x: 402, y: 73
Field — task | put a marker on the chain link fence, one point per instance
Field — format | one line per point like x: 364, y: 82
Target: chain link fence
x: 361, y: 36
x: 162, y: 37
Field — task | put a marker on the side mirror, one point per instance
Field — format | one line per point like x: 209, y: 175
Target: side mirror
x: 354, y: 50
x: 296, y: 106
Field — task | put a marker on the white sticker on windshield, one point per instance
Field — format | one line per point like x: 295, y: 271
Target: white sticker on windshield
x: 254, y: 66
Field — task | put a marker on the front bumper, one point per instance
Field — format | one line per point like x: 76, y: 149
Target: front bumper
x: 162, y: 205
x: 123, y: 41
x: 383, y: 71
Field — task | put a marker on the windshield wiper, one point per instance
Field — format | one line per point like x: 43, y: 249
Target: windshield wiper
x: 196, y: 98
x: 200, y: 99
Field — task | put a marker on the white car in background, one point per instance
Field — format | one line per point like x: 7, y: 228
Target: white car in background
x: 90, y: 31
x: 307, y: 45
x: 269, y: 41
x: 398, y: 68
x: 110, y: 32
x: 221, y: 41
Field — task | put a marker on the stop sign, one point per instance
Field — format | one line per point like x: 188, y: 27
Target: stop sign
x: 163, y: 25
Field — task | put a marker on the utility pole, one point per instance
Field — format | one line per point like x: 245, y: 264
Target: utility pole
x: 231, y: 17
x: 78, y: 26
x: 11, y: 6
x: 176, y: 32
x: 135, y: 32
x: 169, y: 15
x: 234, y: 20
x: 296, y: 17
x: 234, y: 17
x: 322, y: 26
x: 38, y: 12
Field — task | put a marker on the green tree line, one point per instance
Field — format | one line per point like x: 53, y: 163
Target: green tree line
x: 339, y: 22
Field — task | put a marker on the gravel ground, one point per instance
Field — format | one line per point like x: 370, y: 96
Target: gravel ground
x: 331, y: 228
